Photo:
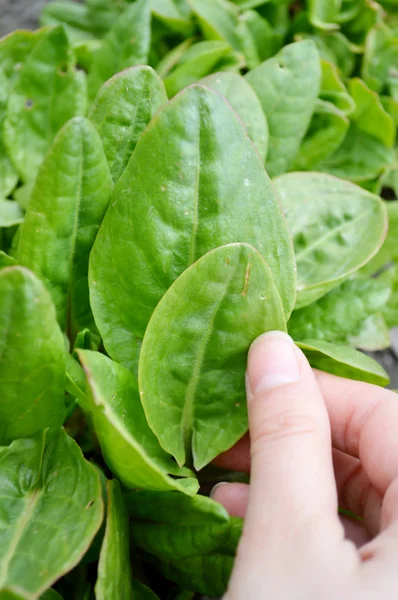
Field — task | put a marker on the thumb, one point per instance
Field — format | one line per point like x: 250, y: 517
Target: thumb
x: 292, y: 479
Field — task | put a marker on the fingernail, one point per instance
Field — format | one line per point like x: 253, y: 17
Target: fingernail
x: 215, y: 488
x: 272, y: 362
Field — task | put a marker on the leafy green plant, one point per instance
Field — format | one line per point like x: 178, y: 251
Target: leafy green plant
x: 176, y: 178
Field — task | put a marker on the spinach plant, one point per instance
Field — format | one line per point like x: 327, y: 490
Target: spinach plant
x: 176, y: 178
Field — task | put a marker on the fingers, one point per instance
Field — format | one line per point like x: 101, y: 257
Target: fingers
x: 364, y: 422
x: 236, y: 458
x: 292, y: 479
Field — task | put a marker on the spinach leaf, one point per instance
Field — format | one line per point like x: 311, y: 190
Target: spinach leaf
x: 244, y: 101
x: 339, y: 316
x: 8, y: 175
x: 121, y: 111
x: 217, y: 19
x: 173, y: 16
x: 48, y: 92
x: 343, y: 361
x: 174, y: 202
x: 389, y: 250
x: 68, y: 202
x: 336, y: 227
x: 10, y: 213
x: 114, y: 569
x: 192, y: 370
x: 368, y: 146
x: 173, y: 526
x: 199, y: 60
x: 33, y: 361
x: 257, y: 38
x: 51, y: 508
x: 125, y: 45
x: 142, y: 592
x: 287, y: 86
x: 128, y: 445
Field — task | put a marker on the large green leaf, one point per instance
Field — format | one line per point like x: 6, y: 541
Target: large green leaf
x: 339, y: 316
x: 125, y: 45
x: 48, y: 92
x: 173, y: 526
x: 50, y: 507
x: 287, y: 85
x: 336, y: 227
x: 68, y: 203
x: 199, y: 60
x: 244, y: 101
x: 343, y: 361
x: 193, y: 183
x: 32, y: 368
x: 368, y: 147
x: 121, y: 111
x: 193, y: 358
x: 324, y: 14
x: 114, y: 580
x: 128, y: 445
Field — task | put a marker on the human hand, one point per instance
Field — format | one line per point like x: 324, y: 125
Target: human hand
x: 294, y: 545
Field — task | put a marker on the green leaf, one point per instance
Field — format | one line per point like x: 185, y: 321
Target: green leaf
x: 33, y: 364
x: 374, y: 334
x: 334, y: 47
x: 197, y: 174
x: 142, y: 592
x: 8, y: 175
x: 198, y: 61
x: 343, y: 361
x: 23, y: 193
x: 50, y: 508
x: 172, y: 58
x: 323, y: 14
x: 244, y: 101
x: 168, y: 13
x: 114, y: 569
x: 173, y: 526
x: 125, y: 45
x: 257, y: 38
x: 48, y: 92
x: 287, y: 86
x: 6, y: 261
x: 326, y: 132
x: 380, y: 58
x: 75, y: 17
x: 208, y: 574
x: 340, y: 315
x: 368, y: 147
x: 390, y: 312
x: 50, y: 595
x: 121, y: 111
x: 129, y: 447
x: 336, y: 226
x: 217, y: 19
x: 193, y: 358
x: 16, y: 47
x: 10, y: 213
x: 333, y: 89
x: 389, y: 250
x: 68, y: 203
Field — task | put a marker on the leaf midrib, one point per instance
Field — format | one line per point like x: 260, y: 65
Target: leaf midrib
x: 187, y: 412
x: 331, y: 233
x: 19, y: 528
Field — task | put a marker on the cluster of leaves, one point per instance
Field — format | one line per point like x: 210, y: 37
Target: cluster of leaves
x: 176, y: 178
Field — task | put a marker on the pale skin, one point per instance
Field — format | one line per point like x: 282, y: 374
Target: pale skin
x: 317, y: 442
